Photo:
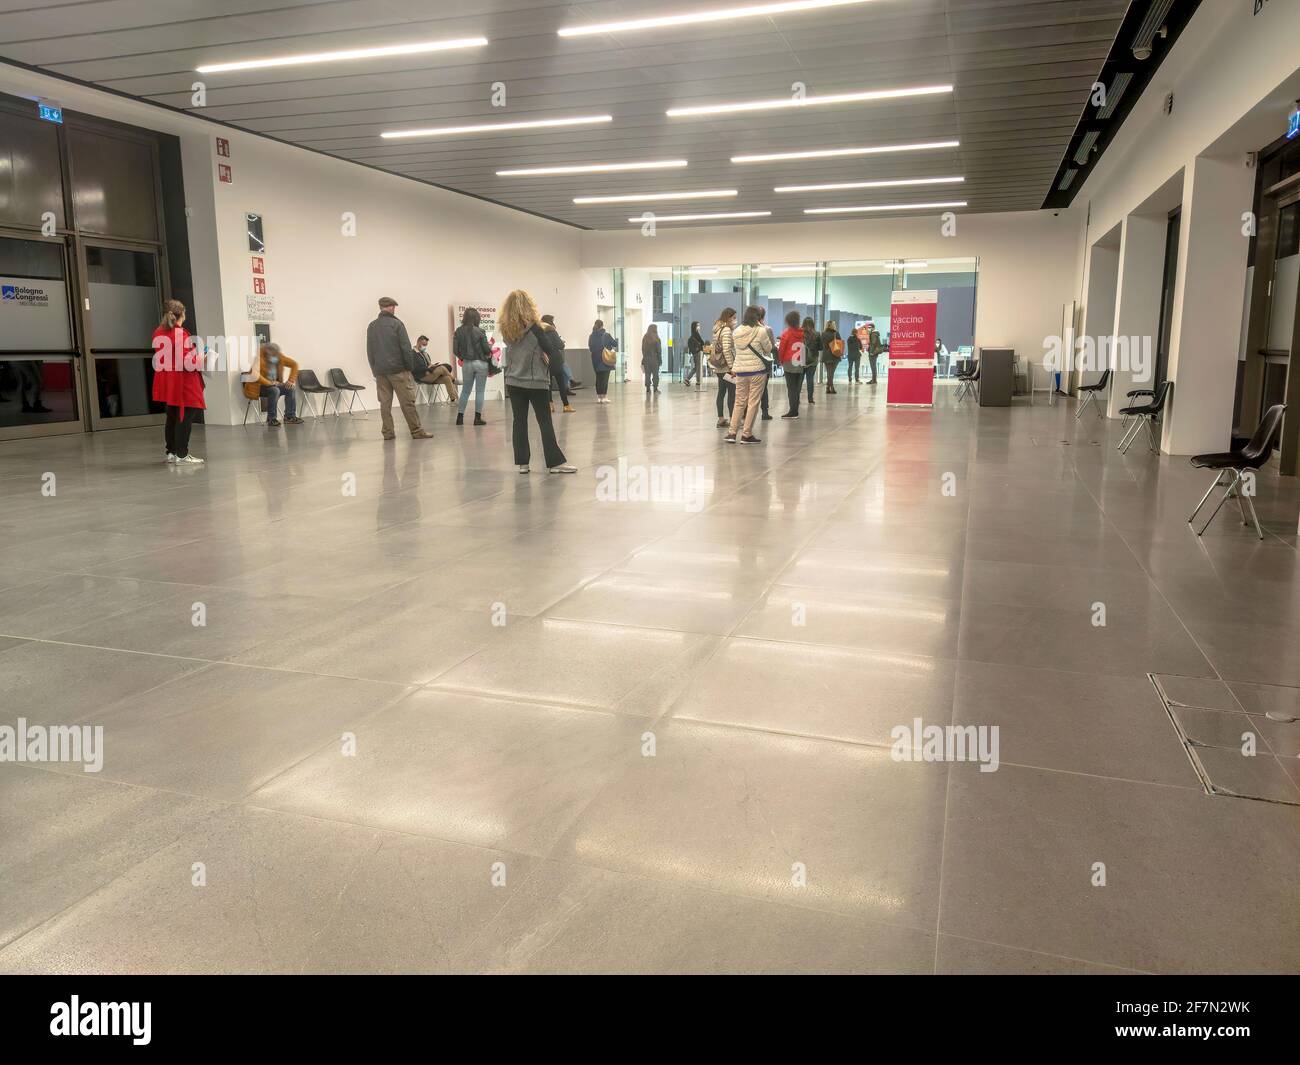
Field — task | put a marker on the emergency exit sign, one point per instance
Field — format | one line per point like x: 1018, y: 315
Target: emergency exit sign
x: 51, y: 113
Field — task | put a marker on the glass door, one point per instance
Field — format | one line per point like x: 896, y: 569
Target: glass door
x: 122, y: 304
x: 39, y: 363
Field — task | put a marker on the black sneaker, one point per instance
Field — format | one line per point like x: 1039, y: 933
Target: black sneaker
x: 478, y: 420
x: 272, y: 423
x: 460, y: 419
x: 767, y: 417
x: 790, y: 414
x: 751, y: 439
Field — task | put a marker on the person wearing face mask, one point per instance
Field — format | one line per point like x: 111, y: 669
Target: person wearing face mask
x: 277, y: 375
x: 428, y: 372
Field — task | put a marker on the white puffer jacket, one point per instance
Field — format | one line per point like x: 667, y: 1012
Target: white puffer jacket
x: 749, y: 341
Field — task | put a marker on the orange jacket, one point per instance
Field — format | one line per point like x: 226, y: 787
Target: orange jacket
x: 252, y: 389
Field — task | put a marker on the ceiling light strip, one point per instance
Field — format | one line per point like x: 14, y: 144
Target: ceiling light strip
x: 885, y: 207
x: 651, y: 217
x: 707, y: 194
x: 593, y: 168
x: 419, y: 48
x: 726, y: 14
x: 786, y: 102
x: 834, y: 153
x: 870, y: 184
x: 496, y: 127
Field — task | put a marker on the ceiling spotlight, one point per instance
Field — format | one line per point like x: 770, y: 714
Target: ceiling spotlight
x: 418, y: 48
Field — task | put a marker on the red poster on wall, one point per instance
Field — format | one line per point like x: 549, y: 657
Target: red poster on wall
x: 912, y: 315
x: 259, y: 286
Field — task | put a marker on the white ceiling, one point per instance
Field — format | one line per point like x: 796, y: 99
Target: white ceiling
x: 1022, y: 72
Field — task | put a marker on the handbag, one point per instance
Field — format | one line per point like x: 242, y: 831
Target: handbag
x: 766, y: 360
x: 609, y: 357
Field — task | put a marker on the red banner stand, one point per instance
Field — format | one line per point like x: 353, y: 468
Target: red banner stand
x: 912, y: 326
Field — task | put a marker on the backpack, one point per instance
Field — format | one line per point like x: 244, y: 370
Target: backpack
x: 717, y: 358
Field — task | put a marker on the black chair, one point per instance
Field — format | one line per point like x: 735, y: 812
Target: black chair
x: 1091, y: 392
x: 1237, y: 462
x: 309, y: 385
x: 340, y: 381
x: 967, y: 380
x: 1145, y: 414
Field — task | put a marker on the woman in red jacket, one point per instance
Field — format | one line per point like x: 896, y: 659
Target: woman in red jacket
x: 177, y: 381
x: 794, y: 361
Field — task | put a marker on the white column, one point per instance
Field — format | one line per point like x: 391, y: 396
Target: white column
x: 1099, y: 305
x: 1137, y: 304
x: 1205, y: 333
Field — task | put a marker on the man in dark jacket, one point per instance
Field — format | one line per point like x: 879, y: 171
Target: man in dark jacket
x: 553, y: 344
x: 388, y: 349
x: 855, y: 357
x: 874, y: 348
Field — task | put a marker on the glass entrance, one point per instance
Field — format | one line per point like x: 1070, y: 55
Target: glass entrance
x: 123, y: 299
x: 38, y: 355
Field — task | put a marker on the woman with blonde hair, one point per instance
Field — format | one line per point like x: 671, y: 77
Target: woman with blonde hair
x: 528, y: 380
x: 177, y: 382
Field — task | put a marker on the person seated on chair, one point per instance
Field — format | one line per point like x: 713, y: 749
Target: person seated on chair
x: 428, y: 372
x: 271, y: 383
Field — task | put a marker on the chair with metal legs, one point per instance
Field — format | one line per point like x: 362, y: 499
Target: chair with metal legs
x: 340, y: 381
x: 1246, y: 459
x: 967, y: 380
x: 1145, y: 414
x: 309, y: 385
x: 1091, y: 392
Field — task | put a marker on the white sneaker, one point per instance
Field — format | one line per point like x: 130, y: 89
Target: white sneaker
x: 190, y: 460
x: 170, y: 458
x: 523, y: 469
x: 566, y: 468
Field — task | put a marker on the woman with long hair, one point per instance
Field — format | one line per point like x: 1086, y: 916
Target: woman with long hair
x: 652, y: 357
x: 832, y: 352
x: 812, y: 344
x: 528, y: 380
x: 177, y: 382
x: 724, y: 352
x: 598, y: 343
x: 751, y: 364
x: 470, y: 345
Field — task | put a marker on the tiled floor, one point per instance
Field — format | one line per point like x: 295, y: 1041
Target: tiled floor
x: 463, y: 720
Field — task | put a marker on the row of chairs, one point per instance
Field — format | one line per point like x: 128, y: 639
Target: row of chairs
x: 309, y: 385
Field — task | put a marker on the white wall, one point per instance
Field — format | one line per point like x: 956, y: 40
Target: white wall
x: 427, y: 248
x: 1027, y: 259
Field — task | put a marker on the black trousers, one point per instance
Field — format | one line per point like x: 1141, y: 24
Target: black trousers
x: 794, y: 389
x: 855, y: 364
x: 728, y: 389
x: 872, y: 359
x: 651, y: 374
x: 762, y: 403
x: 540, y: 400
x: 602, y: 382
x: 176, y: 430
x: 810, y: 377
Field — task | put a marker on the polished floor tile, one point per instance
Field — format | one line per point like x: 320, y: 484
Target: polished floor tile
x: 1021, y: 869
x: 467, y: 721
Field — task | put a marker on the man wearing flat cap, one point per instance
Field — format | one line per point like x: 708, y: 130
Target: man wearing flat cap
x: 388, y: 348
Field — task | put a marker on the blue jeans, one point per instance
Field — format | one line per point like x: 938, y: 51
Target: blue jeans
x: 473, y: 374
x: 272, y: 393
